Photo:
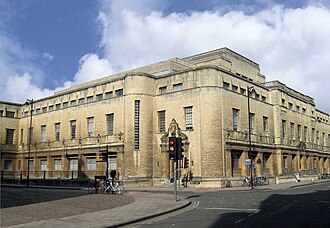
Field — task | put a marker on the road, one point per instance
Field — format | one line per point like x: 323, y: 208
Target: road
x: 305, y: 206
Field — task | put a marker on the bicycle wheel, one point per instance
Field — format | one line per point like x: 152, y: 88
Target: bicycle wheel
x: 120, y: 190
x: 248, y: 186
x: 223, y: 184
x: 228, y: 184
x: 91, y: 187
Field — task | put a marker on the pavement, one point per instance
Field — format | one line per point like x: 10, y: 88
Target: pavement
x: 149, y: 202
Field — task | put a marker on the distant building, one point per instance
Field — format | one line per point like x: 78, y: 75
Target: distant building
x: 206, y: 95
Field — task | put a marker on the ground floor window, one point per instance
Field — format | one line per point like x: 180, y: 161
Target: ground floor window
x: 235, y: 158
x: 57, y: 164
x: 73, y: 164
x: 91, y: 163
x: 266, y: 159
x: 285, y: 161
x: 31, y: 165
x: 8, y: 165
x: 112, y: 163
x: 43, y: 165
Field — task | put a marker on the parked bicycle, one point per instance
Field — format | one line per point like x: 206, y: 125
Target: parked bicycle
x: 93, y: 186
x: 248, y: 183
x: 262, y: 180
x: 225, y: 183
x: 117, y: 188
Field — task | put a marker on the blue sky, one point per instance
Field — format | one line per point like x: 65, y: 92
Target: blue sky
x: 48, y: 45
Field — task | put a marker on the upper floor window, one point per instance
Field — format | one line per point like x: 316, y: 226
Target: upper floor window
x: 58, y: 106
x: 251, y: 121
x: 65, y: 104
x: 73, y: 126
x: 161, y: 121
x: 242, y: 91
x: 189, y: 118
x: 235, y: 119
x: 292, y: 131
x: 283, y: 128
x: 99, y: 97
x: 226, y: 85
x: 119, y: 92
x: 297, y: 108
x: 37, y: 110
x: 81, y: 101
x: 57, y: 131
x: 43, y: 133
x: 51, y: 108
x: 303, y: 110
x: 73, y: 103
x: 305, y: 134
x: 110, y: 123
x: 265, y: 123
x: 283, y: 102
x: 89, y: 99
x: 177, y: 87
x: 10, y: 114
x: 313, y: 135
x: 10, y: 136
x: 162, y: 89
x: 90, y: 126
x: 108, y: 95
x: 44, y: 109
x: 299, y: 132
x: 234, y: 88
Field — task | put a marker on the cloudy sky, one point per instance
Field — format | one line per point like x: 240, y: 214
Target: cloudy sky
x: 48, y: 45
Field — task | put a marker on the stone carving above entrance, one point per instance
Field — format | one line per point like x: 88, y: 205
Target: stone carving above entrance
x: 173, y: 131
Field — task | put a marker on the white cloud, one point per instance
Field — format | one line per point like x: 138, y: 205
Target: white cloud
x: 291, y: 45
x: 47, y: 57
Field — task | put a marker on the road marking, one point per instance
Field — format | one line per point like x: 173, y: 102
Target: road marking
x: 231, y: 209
x: 240, y: 220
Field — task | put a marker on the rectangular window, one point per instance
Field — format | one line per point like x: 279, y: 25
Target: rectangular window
x: 108, y: 95
x: 89, y: 99
x: 82, y: 101
x: 31, y: 135
x: 235, y: 159
x: 226, y: 85
x: 26, y: 113
x: 31, y: 165
x: 43, y: 165
x: 283, y: 128
x: 305, y: 134
x: 297, y: 108
x: 44, y: 109
x: 234, y: 88
x: 22, y: 134
x: 112, y: 163
x: 51, y: 108
x: 313, y: 135
x: 266, y: 158
x: 65, y: 104
x: 292, y: 131
x: 162, y: 89
x: 8, y: 165
x: 323, y: 139
x: 10, y: 136
x: 58, y: 106
x: 290, y: 106
x: 110, y: 122
x: 285, y: 162
x: 161, y: 121
x: 73, y: 164
x: 317, y: 137
x: 73, y: 103
x: 242, y: 91
x: 189, y: 118
x: 91, y: 164
x: 119, y: 92
x: 73, y: 126
x: 299, y: 132
x: 43, y: 133
x: 235, y: 119
x: 57, y: 164
x: 263, y: 98
x: 303, y: 110
x: 10, y: 114
x: 99, y: 97
x: 57, y: 131
x: 251, y: 121
x: 265, y: 123
x: 257, y: 96
x: 37, y: 110
x: 90, y: 126
x: 137, y: 125
x: 177, y: 87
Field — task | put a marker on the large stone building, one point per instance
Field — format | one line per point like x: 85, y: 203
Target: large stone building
x: 204, y: 97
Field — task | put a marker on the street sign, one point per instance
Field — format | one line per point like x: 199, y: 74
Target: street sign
x: 248, y: 161
x: 253, y: 166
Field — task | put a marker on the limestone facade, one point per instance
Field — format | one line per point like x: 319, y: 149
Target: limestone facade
x: 206, y: 94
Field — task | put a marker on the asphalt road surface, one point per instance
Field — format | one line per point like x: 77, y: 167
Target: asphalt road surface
x: 305, y: 206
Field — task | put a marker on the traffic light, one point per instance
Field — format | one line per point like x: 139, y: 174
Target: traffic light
x: 172, y: 147
x: 179, y: 148
x: 185, y: 162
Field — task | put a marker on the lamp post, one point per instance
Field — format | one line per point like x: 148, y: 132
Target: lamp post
x: 250, y: 90
x: 29, y: 102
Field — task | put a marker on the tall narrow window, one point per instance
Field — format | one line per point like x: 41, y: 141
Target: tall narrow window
x: 235, y: 119
x: 90, y: 126
x: 110, y: 123
x: 31, y: 164
x: 57, y: 164
x: 10, y: 136
x: 305, y: 134
x: 299, y: 132
x: 161, y: 121
x: 73, y: 126
x: 313, y: 135
x: 292, y: 131
x: 57, y: 131
x: 43, y: 165
x: 91, y: 164
x: 43, y: 133
x: 323, y: 139
x: 73, y: 164
x: 265, y: 123
x: 251, y: 121
x: 189, y: 117
x: 283, y: 128
x: 137, y: 125
x: 30, y: 135
x: 22, y: 134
